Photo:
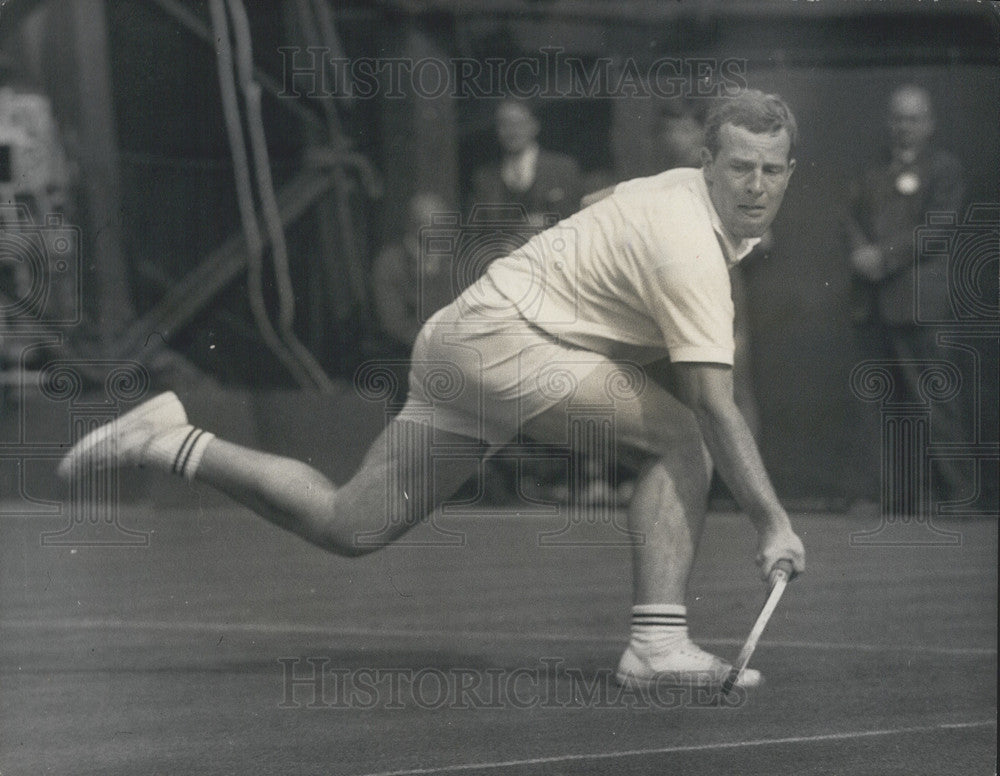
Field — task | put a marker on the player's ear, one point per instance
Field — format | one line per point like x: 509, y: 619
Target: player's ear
x: 706, y: 163
x: 791, y: 167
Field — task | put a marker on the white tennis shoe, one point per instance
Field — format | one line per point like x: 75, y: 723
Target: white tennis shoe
x: 684, y: 665
x: 126, y: 440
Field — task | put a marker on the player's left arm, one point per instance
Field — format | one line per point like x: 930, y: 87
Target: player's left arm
x: 707, y: 389
x: 742, y: 377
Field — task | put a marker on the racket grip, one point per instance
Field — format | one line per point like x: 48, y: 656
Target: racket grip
x: 781, y: 568
x: 730, y: 681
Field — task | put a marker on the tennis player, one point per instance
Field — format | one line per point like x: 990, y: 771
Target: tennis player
x: 567, y: 320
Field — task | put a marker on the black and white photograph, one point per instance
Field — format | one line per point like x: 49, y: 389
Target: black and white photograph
x: 514, y: 387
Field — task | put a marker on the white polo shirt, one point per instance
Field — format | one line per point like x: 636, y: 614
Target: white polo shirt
x: 646, y: 267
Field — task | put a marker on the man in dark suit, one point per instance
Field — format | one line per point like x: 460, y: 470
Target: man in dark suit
x: 542, y: 182
x: 887, y: 204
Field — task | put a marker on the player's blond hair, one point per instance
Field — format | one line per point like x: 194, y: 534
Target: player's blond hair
x: 753, y: 110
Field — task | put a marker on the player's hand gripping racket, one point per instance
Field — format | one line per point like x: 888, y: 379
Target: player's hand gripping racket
x: 780, y: 574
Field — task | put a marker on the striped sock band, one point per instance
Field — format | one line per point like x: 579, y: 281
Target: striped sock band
x: 658, y: 627
x: 190, y: 452
x: 179, y: 450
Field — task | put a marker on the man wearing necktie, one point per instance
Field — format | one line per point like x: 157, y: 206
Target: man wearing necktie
x: 542, y: 182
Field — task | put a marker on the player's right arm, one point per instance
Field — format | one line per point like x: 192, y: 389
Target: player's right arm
x: 707, y: 389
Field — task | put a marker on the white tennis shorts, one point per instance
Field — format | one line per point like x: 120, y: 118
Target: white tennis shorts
x: 480, y: 370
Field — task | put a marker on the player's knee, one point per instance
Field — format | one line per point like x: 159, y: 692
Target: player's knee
x: 352, y: 531
x: 346, y: 543
x: 347, y: 538
x: 329, y: 523
x: 688, y: 459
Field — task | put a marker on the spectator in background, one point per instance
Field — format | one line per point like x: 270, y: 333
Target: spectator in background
x: 542, y: 182
x: 888, y: 202
x: 680, y: 133
x: 409, y: 285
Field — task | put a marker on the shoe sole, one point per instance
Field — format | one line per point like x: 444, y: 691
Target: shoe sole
x: 669, y: 679
x: 100, y: 435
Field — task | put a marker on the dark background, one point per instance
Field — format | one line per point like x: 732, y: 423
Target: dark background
x: 836, y: 64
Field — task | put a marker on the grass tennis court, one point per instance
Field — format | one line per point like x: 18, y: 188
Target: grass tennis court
x: 226, y: 646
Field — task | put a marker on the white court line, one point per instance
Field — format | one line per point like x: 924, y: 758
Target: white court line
x: 567, y: 758
x: 270, y: 629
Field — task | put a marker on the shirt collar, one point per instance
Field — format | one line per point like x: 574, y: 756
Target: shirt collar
x: 734, y: 251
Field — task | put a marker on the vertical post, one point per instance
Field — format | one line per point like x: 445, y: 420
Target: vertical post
x: 435, y: 128
x: 419, y: 141
x: 112, y: 309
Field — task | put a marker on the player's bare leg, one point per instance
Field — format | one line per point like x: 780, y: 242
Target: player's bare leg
x: 668, y: 511
x: 666, y: 516
x: 394, y: 489
x: 668, y: 507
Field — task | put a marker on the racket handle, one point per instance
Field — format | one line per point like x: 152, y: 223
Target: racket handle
x: 781, y: 568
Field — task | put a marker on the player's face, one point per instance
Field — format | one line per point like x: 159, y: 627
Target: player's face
x: 747, y: 178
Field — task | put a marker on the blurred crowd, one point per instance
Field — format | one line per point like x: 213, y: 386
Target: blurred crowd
x: 36, y: 192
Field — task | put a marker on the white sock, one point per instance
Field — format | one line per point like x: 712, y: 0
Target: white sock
x: 178, y: 450
x: 658, y: 628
